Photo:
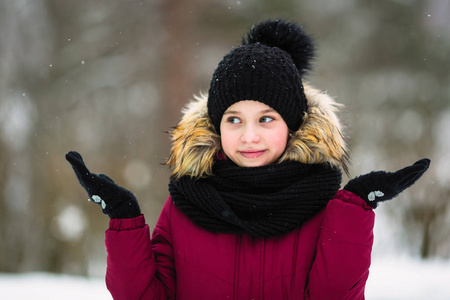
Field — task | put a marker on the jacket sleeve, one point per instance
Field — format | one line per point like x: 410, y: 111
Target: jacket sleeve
x: 341, y: 267
x: 139, y: 267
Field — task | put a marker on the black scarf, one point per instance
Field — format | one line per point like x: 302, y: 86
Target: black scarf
x: 261, y: 201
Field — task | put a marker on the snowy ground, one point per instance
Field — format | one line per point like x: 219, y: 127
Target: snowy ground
x: 403, y: 278
x: 51, y: 287
x: 390, y: 279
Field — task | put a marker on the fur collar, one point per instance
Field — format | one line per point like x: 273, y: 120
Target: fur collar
x: 195, y: 144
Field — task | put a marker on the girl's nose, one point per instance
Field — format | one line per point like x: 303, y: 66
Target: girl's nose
x: 250, y: 135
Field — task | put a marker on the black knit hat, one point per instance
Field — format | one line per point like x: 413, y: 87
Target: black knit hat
x: 268, y: 67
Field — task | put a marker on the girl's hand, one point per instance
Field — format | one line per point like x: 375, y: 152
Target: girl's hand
x: 380, y: 186
x: 116, y: 202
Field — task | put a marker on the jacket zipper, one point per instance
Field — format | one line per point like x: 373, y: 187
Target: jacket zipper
x: 236, y: 266
x: 263, y: 259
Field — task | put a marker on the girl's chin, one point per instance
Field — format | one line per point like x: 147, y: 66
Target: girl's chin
x: 249, y: 163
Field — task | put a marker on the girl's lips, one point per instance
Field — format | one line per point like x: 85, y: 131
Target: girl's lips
x: 252, y: 153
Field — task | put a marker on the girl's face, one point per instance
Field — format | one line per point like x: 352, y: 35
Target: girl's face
x: 253, y: 134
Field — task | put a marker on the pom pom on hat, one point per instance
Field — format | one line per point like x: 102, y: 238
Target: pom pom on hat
x: 267, y: 67
x: 287, y: 36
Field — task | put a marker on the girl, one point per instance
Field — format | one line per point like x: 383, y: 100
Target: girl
x: 255, y: 210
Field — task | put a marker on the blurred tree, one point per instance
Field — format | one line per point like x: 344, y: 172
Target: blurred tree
x: 177, y: 58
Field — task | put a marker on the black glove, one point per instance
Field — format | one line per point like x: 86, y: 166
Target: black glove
x: 116, y: 202
x: 380, y: 186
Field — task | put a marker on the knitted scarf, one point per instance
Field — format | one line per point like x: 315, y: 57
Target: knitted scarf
x: 261, y: 201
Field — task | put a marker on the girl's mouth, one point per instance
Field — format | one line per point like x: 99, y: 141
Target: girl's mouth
x: 252, y: 153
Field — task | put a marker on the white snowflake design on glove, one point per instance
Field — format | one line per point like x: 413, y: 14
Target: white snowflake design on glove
x: 372, y: 195
x: 97, y: 199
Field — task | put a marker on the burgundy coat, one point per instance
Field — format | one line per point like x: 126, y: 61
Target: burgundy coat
x: 328, y: 258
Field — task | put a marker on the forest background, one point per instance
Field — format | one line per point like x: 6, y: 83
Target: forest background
x: 109, y: 79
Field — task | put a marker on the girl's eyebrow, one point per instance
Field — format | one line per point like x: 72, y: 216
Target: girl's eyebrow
x: 269, y: 110
x: 231, y: 112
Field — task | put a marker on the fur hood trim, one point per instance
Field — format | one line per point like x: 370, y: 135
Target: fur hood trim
x: 195, y: 143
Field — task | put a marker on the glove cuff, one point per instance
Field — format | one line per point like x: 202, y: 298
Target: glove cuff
x: 372, y: 198
x: 126, y: 210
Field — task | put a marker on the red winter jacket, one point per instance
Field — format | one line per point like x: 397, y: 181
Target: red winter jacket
x: 327, y: 258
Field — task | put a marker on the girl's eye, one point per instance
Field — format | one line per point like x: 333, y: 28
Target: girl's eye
x: 233, y: 120
x: 265, y: 119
